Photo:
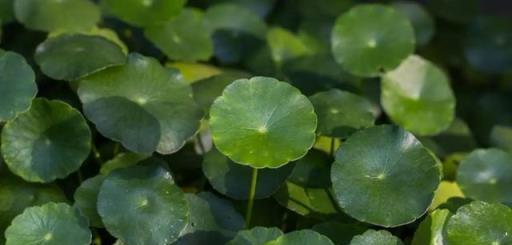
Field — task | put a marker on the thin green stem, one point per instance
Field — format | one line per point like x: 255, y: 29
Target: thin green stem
x: 96, y: 154
x: 116, y: 149
x: 200, y: 143
x: 331, y: 152
x: 252, y: 193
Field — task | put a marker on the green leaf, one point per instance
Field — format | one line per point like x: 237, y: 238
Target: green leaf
x: 339, y: 233
x: 56, y: 140
x: 384, y: 169
x: 306, y: 201
x: 50, y: 15
x: 194, y: 72
x: 17, y: 85
x: 431, y: 229
x: 16, y: 195
x: 301, y: 237
x: 142, y: 205
x: 417, y: 96
x: 341, y: 113
x: 485, y: 175
x: 121, y: 160
x: 480, y: 223
x: 371, y: 38
x: 141, y: 105
x: 211, y: 213
x: 420, y: 19
x: 285, y: 45
x: 6, y: 11
x: 373, y: 237
x: 86, y: 198
x: 312, y: 170
x: 51, y: 223
x: 488, y: 44
x: 233, y: 180
x: 143, y: 12
x: 501, y: 137
x: 256, y: 236
x: 444, y: 192
x: 185, y: 37
x: 73, y: 56
x: 262, y: 122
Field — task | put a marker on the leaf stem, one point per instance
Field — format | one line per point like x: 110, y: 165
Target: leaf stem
x: 96, y: 154
x: 116, y: 149
x: 331, y: 152
x: 200, y: 143
x: 252, y: 193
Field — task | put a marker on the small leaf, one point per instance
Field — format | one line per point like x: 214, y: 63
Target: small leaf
x: 284, y: 45
x: 341, y: 113
x: 233, y: 180
x: 144, y: 13
x: 480, y: 223
x: 373, y: 237
x: 17, y: 85
x: 485, y: 175
x: 71, y: 57
x: 256, y: 236
x: 301, y: 237
x: 50, y: 15
x: 141, y: 205
x: 370, y: 38
x: 384, y: 169
x: 86, y: 198
x: 417, y: 96
x: 51, y: 223
x: 185, y: 37
x: 56, y: 141
x: 142, y: 105
x: 262, y: 122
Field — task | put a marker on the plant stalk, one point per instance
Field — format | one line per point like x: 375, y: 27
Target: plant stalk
x: 252, y: 193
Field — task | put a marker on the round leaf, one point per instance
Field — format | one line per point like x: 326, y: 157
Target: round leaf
x: 301, y: 237
x: 17, y: 85
x: 417, y: 96
x: 421, y: 20
x: 262, y: 122
x: 70, y: 57
x: 86, y: 198
x: 341, y: 113
x: 233, y: 180
x: 55, y: 141
x: 485, y: 175
x: 480, y: 223
x: 51, y: 15
x: 373, y: 237
x: 142, y: 105
x: 144, y: 13
x: 384, y: 169
x: 256, y: 236
x: 142, y: 205
x: 371, y: 38
x: 185, y: 37
x: 50, y: 224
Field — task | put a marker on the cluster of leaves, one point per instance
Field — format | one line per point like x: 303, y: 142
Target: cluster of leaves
x: 152, y: 122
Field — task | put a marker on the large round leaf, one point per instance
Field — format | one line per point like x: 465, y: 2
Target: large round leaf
x: 384, y: 176
x: 185, y: 37
x: 233, y: 180
x: 371, y: 38
x: 16, y: 195
x: 480, y: 223
x: 256, y: 236
x: 417, y: 95
x: 373, y: 237
x: 341, y: 113
x: 485, y: 175
x: 142, y: 105
x: 262, y: 122
x: 211, y: 213
x: 72, y: 56
x: 301, y: 237
x: 17, y: 85
x: 488, y: 44
x: 431, y: 229
x: 142, y: 205
x: 49, y: 224
x: 51, y: 15
x: 49, y: 141
x: 86, y: 198
x: 421, y: 20
x: 144, y: 13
